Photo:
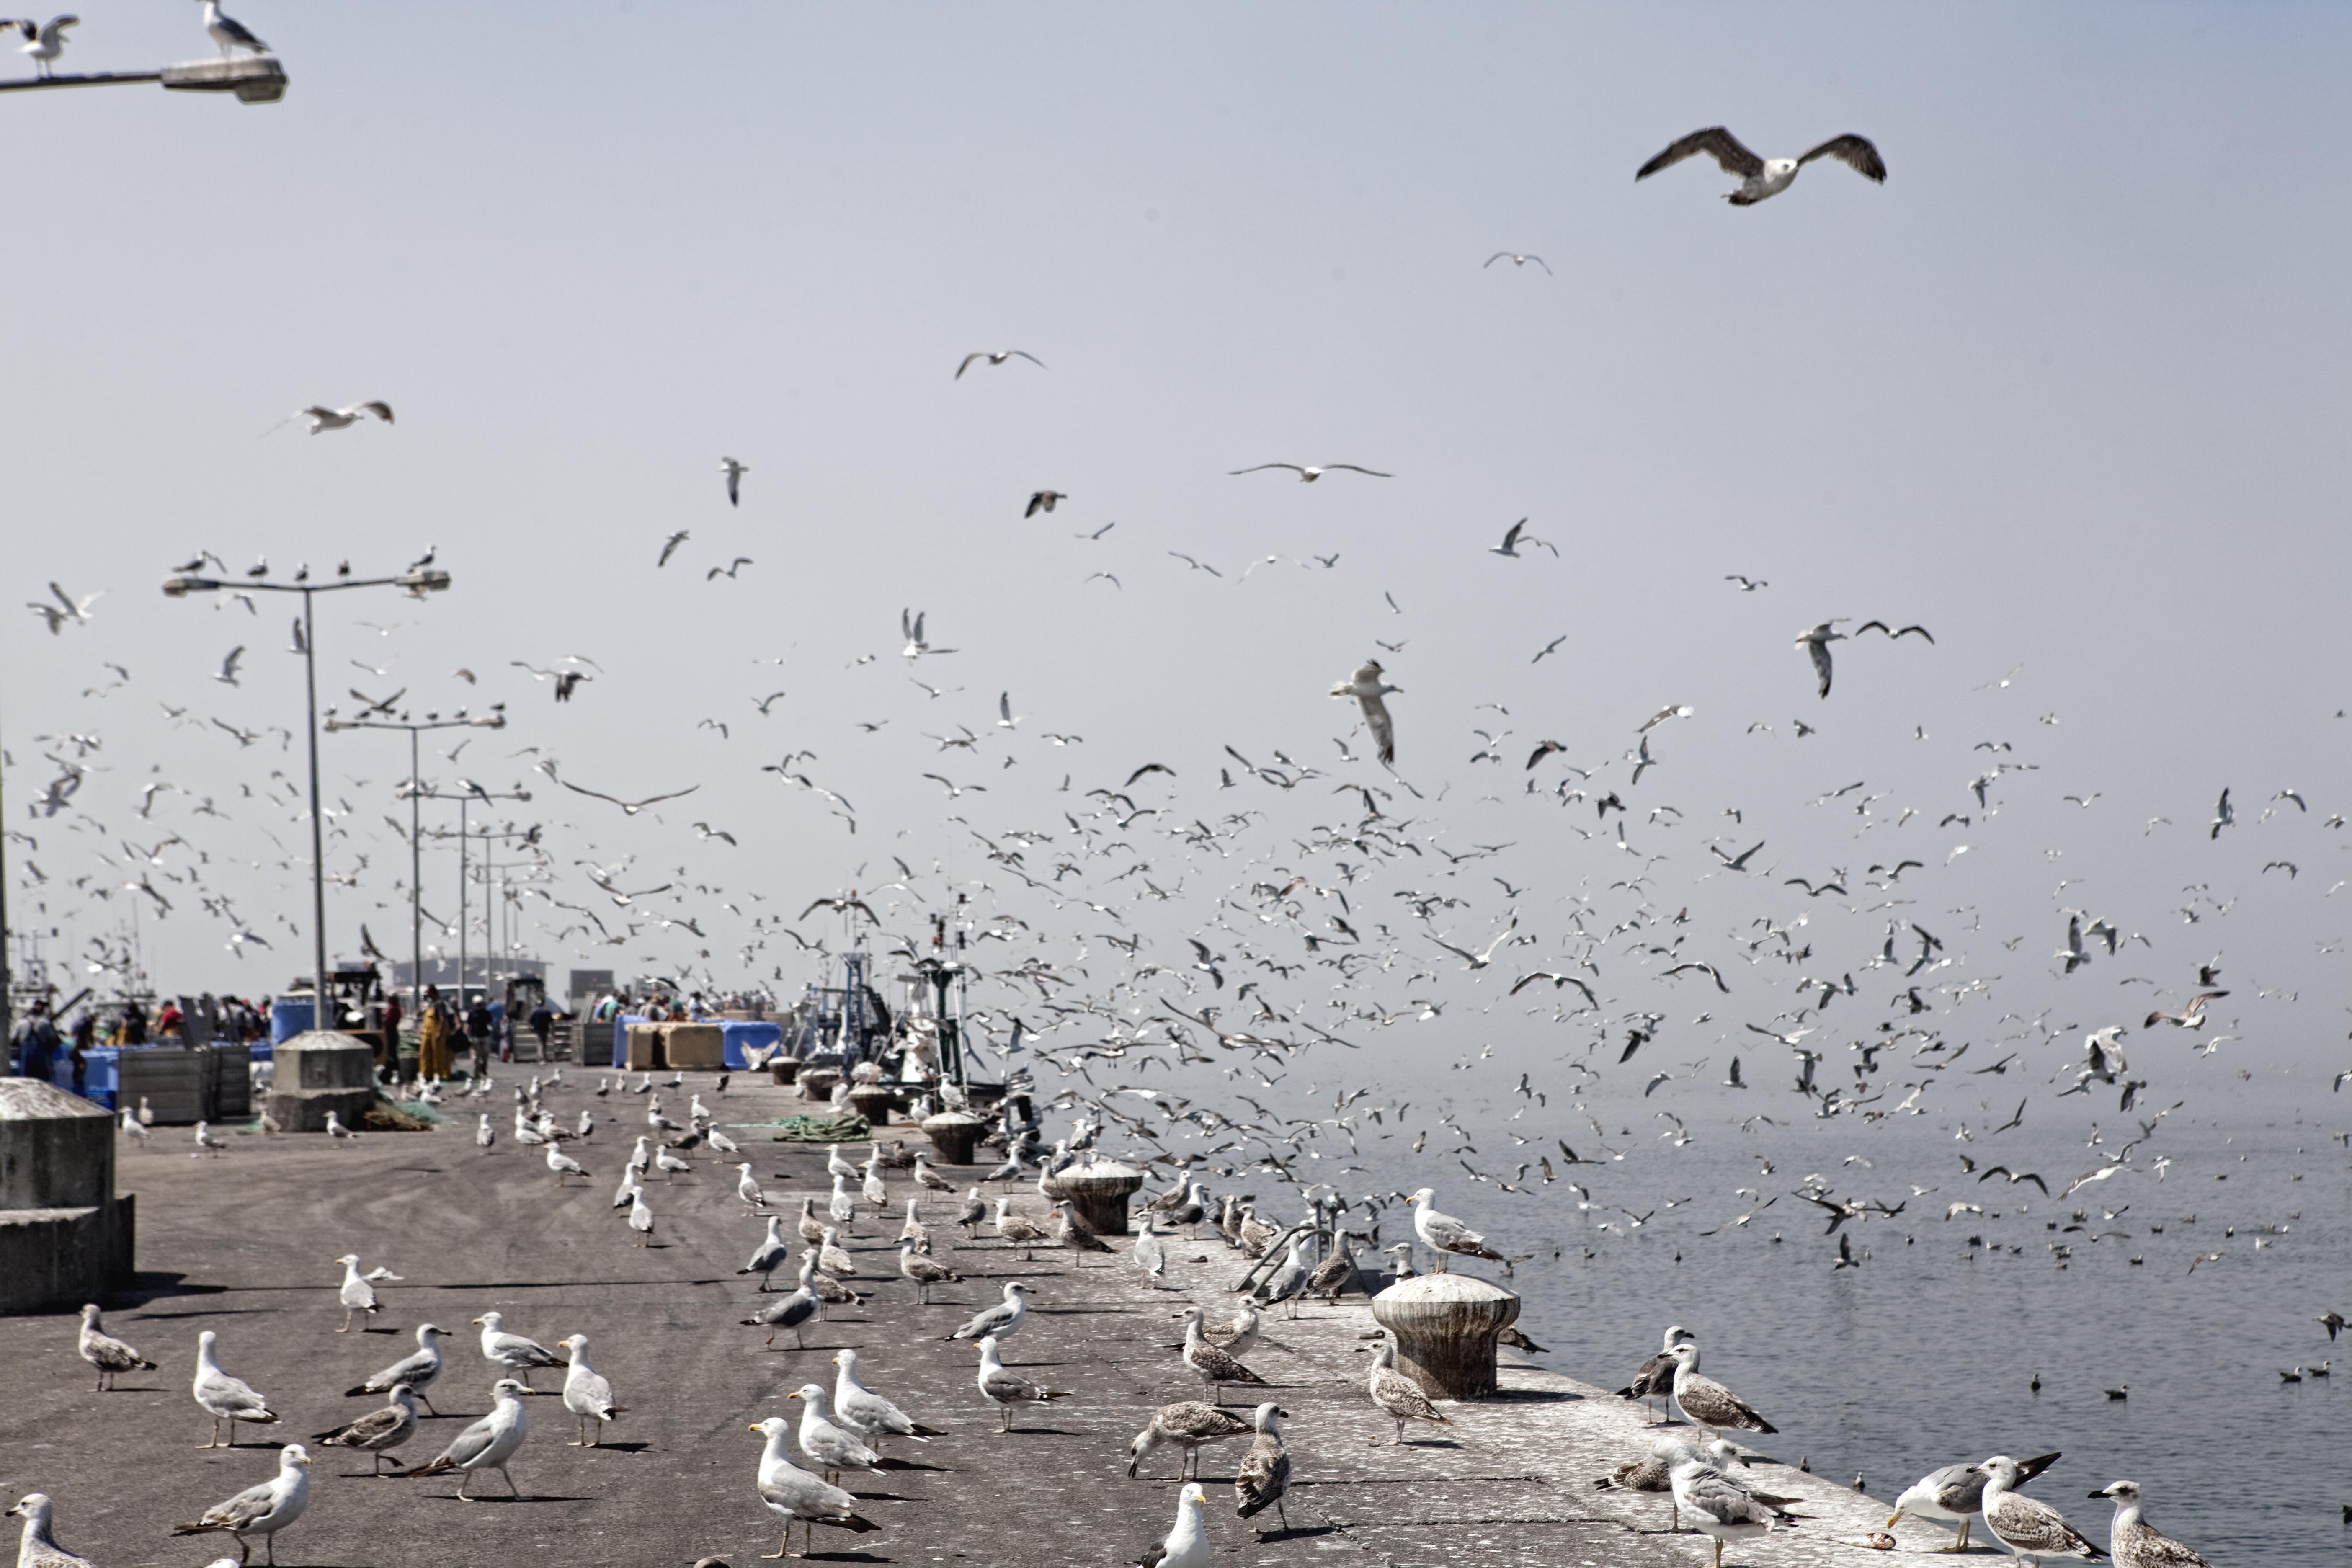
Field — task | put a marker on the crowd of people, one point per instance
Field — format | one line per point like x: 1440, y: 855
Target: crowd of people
x: 46, y: 1041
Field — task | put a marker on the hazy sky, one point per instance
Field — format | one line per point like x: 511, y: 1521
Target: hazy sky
x: 2067, y: 390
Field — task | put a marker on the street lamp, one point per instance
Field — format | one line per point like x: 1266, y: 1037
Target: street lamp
x: 463, y: 798
x: 254, y: 78
x: 415, y: 853
x: 418, y: 582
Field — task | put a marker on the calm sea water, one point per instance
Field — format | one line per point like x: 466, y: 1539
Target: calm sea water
x: 1923, y: 1356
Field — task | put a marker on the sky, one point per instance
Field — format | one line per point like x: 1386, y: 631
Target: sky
x: 2065, y: 390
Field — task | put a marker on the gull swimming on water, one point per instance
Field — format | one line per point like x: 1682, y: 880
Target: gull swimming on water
x: 487, y: 1444
x: 225, y: 1398
x: 1368, y: 689
x: 1955, y: 1494
x: 262, y: 1510
x: 2027, y: 1526
x: 792, y: 1491
x: 36, y: 1548
x: 1764, y: 177
x: 102, y: 1350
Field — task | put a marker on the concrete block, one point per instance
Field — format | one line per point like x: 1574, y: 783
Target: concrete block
x: 318, y: 1072
x: 65, y: 1237
x: 57, y: 1149
x: 700, y: 1045
x: 62, y: 1258
x: 645, y: 1047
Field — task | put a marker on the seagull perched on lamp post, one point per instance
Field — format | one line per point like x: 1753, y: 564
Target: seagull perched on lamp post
x: 42, y: 43
x: 230, y: 32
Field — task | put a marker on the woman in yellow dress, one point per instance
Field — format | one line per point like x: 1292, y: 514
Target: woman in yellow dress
x: 432, y: 1038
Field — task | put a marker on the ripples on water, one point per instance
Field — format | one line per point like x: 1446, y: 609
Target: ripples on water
x: 1921, y: 1358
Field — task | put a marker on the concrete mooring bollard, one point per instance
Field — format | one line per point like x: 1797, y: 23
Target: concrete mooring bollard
x: 1098, y: 1189
x: 954, y: 1135
x: 1444, y: 1326
x: 64, y: 1236
x: 874, y: 1102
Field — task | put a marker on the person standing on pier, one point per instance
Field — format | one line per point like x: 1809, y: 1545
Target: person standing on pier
x: 433, y: 1058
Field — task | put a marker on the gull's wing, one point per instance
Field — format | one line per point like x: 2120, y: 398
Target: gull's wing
x: 654, y: 799
x: 383, y: 410
x: 1821, y: 653
x: 1033, y: 359
x: 243, y: 1509
x: 1383, y: 729
x: 598, y: 795
x: 967, y: 364
x: 1353, y: 468
x: 1855, y: 152
x: 1724, y: 149
x: 1292, y: 466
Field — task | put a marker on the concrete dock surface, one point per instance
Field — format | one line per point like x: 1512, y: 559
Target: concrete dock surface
x: 245, y: 1244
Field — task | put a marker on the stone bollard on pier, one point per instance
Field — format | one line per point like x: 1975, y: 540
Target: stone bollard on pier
x: 317, y: 1071
x: 954, y: 1135
x: 874, y: 1102
x: 1444, y: 1326
x: 1097, y: 1190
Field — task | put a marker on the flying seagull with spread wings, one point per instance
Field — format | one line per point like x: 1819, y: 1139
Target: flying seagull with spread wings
x: 1368, y: 689
x: 997, y: 356
x: 1308, y: 475
x: 734, y: 472
x: 1765, y: 177
x: 1517, y: 261
x: 630, y: 806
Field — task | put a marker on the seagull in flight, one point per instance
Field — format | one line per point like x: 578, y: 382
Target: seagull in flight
x: 997, y: 356
x: 1045, y: 500
x: 1761, y: 178
x: 669, y: 547
x: 1368, y: 689
x: 76, y: 610
x: 45, y: 44
x: 630, y: 806
x: 1516, y: 259
x: 1308, y: 475
x: 1816, y: 642
x: 1746, y: 584
x: 227, y: 675
x: 1517, y: 537
x: 910, y: 626
x: 324, y: 419
x: 734, y: 471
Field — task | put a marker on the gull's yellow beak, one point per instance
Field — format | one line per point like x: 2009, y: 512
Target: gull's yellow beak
x: 1893, y: 1519
x: 794, y: 1395
x: 755, y: 1427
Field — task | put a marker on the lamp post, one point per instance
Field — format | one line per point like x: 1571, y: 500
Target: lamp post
x: 418, y: 582
x: 464, y: 798
x: 415, y: 852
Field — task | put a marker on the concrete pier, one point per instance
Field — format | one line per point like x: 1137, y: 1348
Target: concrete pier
x: 242, y: 1244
